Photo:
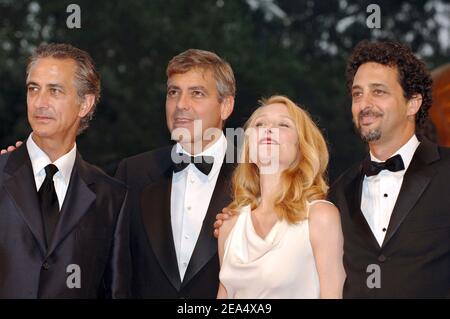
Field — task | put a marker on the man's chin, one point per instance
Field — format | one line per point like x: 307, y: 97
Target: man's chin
x: 183, y: 136
x: 183, y: 126
x: 189, y: 140
x: 42, y: 133
x: 371, y: 136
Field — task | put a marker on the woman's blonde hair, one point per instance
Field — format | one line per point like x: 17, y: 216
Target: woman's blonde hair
x: 304, y: 180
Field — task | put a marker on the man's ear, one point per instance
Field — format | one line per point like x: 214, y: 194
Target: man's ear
x: 414, y: 104
x: 226, y: 108
x: 86, y: 105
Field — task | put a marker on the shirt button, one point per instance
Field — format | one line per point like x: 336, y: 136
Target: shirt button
x: 189, y: 208
x: 385, y: 195
x: 192, y: 181
x: 46, y: 266
x: 186, y: 236
x: 184, y: 264
x: 384, y: 229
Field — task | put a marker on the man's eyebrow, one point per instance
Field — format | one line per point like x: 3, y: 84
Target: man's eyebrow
x: 191, y: 88
x: 377, y: 85
x: 198, y: 87
x: 50, y: 85
x: 55, y: 86
x: 31, y: 83
x: 371, y: 85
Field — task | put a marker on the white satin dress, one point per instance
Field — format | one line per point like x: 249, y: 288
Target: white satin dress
x: 282, y: 265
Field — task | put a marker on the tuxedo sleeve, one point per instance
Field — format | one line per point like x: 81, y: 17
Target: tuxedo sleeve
x: 121, y: 173
x: 331, y: 195
x: 118, y: 273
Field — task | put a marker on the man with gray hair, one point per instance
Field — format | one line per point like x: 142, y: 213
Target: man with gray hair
x: 63, y: 228
x: 173, y: 205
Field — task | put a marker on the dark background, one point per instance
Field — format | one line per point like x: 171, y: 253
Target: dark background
x: 297, y: 48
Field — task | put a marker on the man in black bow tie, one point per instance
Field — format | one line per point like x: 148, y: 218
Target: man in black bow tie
x: 394, y: 206
x: 203, y: 163
x: 176, y: 191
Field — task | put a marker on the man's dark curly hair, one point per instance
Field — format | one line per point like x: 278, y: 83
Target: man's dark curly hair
x: 413, y: 74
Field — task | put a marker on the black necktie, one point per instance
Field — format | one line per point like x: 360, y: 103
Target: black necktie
x: 203, y: 163
x: 48, y: 201
x: 393, y: 164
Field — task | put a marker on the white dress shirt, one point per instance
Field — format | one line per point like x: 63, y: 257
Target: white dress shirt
x: 380, y: 192
x: 39, y: 160
x: 189, y: 201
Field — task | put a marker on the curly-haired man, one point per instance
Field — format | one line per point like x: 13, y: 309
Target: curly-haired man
x: 394, y: 205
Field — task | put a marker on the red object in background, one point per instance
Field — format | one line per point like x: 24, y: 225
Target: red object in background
x: 440, y: 112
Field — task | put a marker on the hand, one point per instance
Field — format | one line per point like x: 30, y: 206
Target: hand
x: 220, y: 217
x: 11, y: 148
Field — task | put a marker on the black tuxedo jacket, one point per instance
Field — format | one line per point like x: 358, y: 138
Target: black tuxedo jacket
x: 91, y: 233
x: 414, y: 259
x: 155, y: 267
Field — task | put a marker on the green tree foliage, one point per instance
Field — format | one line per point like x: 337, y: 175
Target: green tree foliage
x: 292, y: 47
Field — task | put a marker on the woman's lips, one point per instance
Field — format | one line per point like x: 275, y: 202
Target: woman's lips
x: 268, y: 140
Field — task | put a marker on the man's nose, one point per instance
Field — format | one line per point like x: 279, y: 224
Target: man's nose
x: 365, y: 102
x: 41, y: 100
x: 183, y: 102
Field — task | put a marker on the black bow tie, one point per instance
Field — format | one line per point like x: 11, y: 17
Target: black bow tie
x: 203, y: 163
x: 393, y: 164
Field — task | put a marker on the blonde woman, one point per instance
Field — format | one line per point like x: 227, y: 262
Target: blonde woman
x: 283, y: 239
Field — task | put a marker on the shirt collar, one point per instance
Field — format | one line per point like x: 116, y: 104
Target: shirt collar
x: 406, y: 152
x: 39, y: 160
x: 216, y: 150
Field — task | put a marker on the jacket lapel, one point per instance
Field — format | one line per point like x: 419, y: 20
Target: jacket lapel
x: 79, y: 198
x: 415, y: 181
x: 206, y: 246
x: 155, y: 209
x: 353, y: 194
x: 21, y: 187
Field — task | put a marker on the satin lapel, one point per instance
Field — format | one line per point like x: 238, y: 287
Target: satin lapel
x: 21, y: 187
x: 206, y: 246
x: 155, y: 210
x: 79, y: 198
x: 415, y: 181
x: 353, y: 194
